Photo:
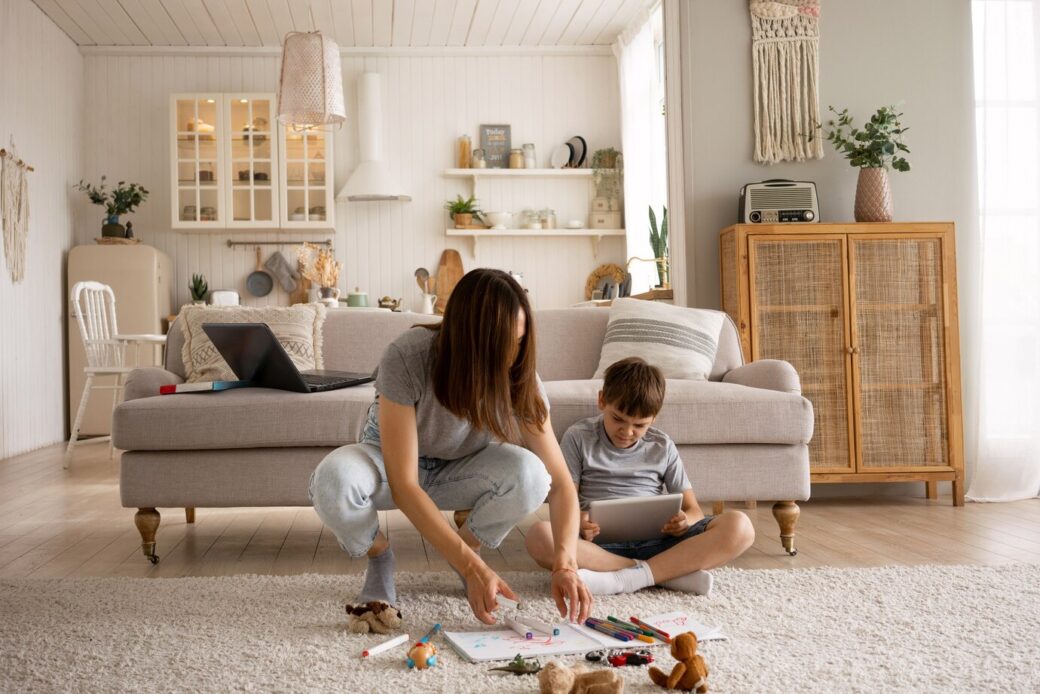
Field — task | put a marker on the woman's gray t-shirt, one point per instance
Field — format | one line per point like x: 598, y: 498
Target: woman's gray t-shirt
x: 405, y: 375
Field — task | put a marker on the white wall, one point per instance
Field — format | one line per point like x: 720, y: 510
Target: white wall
x: 41, y: 106
x: 917, y: 55
x: 428, y: 100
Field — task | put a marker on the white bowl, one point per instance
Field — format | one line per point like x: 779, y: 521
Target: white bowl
x: 498, y: 220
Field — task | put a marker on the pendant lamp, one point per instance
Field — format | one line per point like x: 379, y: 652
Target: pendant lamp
x: 310, y: 88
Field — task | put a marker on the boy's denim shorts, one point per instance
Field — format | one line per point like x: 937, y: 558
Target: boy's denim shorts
x: 645, y: 549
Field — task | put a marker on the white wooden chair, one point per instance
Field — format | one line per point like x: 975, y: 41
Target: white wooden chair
x: 95, y: 308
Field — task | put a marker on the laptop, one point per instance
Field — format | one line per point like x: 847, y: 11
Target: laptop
x: 254, y: 354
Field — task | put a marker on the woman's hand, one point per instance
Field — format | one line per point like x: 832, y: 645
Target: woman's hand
x: 482, y: 588
x: 573, y: 599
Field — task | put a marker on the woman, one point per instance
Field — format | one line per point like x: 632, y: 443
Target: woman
x: 454, y: 402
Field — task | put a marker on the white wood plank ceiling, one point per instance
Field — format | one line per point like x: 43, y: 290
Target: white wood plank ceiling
x: 352, y: 23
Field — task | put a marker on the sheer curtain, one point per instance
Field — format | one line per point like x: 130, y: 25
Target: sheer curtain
x: 642, y: 143
x: 1008, y: 122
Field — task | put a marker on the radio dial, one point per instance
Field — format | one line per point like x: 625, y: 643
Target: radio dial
x: 809, y: 215
x: 755, y: 216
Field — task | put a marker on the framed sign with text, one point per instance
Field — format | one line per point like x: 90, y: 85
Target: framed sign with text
x: 495, y: 141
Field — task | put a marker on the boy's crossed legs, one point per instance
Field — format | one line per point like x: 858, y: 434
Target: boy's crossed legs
x: 681, y: 567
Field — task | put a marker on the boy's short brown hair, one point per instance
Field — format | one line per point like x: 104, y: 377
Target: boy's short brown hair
x: 634, y: 387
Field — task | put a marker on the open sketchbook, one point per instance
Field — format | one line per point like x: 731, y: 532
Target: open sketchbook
x: 505, y: 644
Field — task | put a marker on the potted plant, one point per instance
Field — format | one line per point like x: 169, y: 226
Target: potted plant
x: 320, y: 266
x: 122, y: 199
x: 659, y: 244
x: 874, y: 149
x: 607, y: 177
x: 198, y: 288
x: 463, y: 211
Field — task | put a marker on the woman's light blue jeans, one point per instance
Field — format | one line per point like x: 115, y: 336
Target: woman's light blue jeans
x: 501, y: 483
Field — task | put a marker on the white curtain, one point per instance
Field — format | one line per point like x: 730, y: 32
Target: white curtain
x: 642, y: 143
x: 1008, y: 125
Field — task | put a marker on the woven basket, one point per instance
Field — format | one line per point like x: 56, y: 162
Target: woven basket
x: 873, y: 196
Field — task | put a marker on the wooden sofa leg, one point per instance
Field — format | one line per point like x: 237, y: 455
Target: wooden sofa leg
x: 189, y: 514
x: 147, y: 521
x: 460, y: 517
x: 786, y: 514
x: 718, y: 507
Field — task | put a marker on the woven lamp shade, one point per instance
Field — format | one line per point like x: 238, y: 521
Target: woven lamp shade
x: 310, y: 88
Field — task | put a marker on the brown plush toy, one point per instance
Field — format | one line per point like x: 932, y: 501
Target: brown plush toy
x: 377, y: 616
x: 690, y: 673
x: 557, y: 678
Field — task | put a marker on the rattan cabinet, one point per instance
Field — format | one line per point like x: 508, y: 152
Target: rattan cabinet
x: 867, y: 314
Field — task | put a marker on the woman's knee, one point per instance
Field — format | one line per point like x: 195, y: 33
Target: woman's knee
x: 346, y: 475
x: 529, y: 477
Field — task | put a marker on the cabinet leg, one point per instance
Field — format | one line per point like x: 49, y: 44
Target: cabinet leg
x: 786, y: 514
x: 958, y: 492
x: 718, y: 507
x: 931, y: 490
x: 189, y: 514
x: 147, y: 522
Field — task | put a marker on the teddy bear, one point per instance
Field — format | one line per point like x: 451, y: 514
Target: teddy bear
x: 376, y: 616
x: 557, y: 678
x: 690, y: 673
x: 422, y: 655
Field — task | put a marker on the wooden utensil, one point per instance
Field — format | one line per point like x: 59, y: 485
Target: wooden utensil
x: 302, y: 293
x: 449, y: 272
x: 422, y: 278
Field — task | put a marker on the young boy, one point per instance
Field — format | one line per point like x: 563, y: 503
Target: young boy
x: 619, y: 454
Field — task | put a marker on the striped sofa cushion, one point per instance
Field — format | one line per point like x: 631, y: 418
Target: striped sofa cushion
x: 679, y: 341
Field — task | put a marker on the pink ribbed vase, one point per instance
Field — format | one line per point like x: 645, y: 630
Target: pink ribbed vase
x: 873, y: 196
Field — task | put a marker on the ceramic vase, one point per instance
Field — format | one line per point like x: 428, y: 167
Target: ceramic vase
x: 873, y: 196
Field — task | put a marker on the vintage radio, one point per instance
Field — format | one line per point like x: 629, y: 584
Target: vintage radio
x: 778, y: 200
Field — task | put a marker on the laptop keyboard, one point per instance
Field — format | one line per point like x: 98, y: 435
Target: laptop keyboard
x: 316, y: 380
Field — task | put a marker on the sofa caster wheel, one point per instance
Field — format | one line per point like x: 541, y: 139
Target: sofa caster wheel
x: 154, y: 558
x: 792, y: 552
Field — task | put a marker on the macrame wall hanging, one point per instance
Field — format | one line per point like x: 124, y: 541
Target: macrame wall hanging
x: 785, y: 53
x: 14, y: 210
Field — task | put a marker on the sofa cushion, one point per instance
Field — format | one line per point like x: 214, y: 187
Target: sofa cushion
x: 680, y: 341
x: 700, y: 412
x: 298, y: 329
x: 243, y: 418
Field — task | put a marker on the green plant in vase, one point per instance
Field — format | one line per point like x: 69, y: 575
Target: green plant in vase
x: 199, y: 288
x: 874, y: 150
x: 463, y: 211
x: 659, y: 244
x: 123, y: 199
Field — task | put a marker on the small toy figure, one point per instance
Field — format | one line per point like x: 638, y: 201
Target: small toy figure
x: 690, y: 673
x: 422, y: 655
x: 376, y: 616
x: 557, y: 678
x: 623, y: 658
x: 519, y: 666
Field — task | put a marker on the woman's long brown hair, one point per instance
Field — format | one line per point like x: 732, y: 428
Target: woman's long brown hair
x: 480, y: 374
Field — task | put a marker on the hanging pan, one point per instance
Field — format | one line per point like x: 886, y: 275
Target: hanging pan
x: 259, y: 282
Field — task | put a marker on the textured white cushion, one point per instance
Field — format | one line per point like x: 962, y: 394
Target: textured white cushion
x: 679, y: 341
x: 298, y: 329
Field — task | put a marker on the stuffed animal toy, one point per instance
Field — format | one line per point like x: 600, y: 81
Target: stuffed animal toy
x: 556, y: 678
x: 422, y: 655
x: 690, y: 673
x: 377, y: 616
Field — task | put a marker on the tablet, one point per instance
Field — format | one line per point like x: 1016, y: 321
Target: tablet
x: 633, y: 518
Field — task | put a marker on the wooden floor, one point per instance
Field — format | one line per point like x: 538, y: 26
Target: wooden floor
x: 57, y: 523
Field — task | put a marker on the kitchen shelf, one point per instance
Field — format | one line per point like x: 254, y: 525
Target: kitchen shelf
x: 594, y: 235
x: 518, y: 173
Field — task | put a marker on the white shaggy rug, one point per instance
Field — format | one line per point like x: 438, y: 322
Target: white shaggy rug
x: 921, y: 629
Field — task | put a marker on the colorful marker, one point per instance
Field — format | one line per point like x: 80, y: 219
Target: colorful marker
x: 434, y: 630
x: 617, y: 634
x: 663, y: 635
x: 519, y: 628
x: 508, y: 602
x: 628, y: 626
x: 544, y: 627
x: 385, y: 646
x: 619, y: 630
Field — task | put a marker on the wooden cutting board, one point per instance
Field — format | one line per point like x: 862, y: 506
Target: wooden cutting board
x: 302, y: 293
x: 449, y: 272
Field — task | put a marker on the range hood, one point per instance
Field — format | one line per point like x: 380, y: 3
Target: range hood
x: 371, y: 179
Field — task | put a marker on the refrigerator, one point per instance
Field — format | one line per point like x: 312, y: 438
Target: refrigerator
x: 140, y: 279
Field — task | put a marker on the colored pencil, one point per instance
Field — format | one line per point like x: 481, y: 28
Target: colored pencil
x: 630, y: 627
x: 657, y: 632
x: 544, y: 627
x: 617, y: 628
x: 519, y: 628
x: 385, y: 646
x: 508, y: 602
x: 602, y: 628
x: 434, y: 630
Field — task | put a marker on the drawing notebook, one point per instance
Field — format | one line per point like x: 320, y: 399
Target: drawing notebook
x: 505, y: 644
x: 675, y: 623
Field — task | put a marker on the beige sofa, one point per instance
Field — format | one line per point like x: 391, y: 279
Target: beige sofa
x: 742, y: 435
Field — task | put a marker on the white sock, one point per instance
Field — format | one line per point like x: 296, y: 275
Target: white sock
x: 698, y: 583
x: 621, y: 581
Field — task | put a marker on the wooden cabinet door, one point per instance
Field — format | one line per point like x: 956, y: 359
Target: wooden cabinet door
x: 799, y: 301
x: 899, y: 360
